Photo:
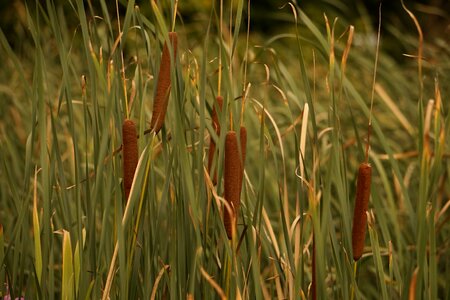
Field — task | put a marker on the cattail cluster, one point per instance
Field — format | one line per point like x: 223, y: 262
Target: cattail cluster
x: 212, y: 144
x: 163, y: 86
x: 233, y: 176
x: 361, y: 205
x: 130, y: 154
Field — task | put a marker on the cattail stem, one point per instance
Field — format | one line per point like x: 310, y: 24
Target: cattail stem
x: 369, y: 132
x: 130, y: 154
x: 234, y: 173
x: 163, y: 86
x: 212, y: 144
x: 361, y: 204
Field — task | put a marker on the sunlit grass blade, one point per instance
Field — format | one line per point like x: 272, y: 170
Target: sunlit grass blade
x: 37, y: 233
x: 68, y: 276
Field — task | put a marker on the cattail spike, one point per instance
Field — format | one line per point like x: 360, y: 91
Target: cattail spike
x: 163, y: 86
x: 361, y: 204
x: 233, y: 176
x: 130, y: 154
x: 231, y: 180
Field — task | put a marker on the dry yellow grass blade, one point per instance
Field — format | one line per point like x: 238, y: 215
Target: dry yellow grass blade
x: 157, y: 280
x: 412, y: 285
x: 426, y: 128
x: 213, y: 283
x: 384, y: 96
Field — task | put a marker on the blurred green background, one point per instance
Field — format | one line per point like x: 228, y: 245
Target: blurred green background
x: 270, y: 16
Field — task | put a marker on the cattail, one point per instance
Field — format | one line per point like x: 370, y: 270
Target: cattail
x: 234, y: 168
x: 231, y: 180
x: 163, y: 86
x: 130, y: 154
x: 361, y: 205
x: 212, y: 144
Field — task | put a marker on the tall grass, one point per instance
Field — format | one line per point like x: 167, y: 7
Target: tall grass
x: 65, y: 231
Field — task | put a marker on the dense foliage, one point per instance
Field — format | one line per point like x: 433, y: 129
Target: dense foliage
x: 304, y: 85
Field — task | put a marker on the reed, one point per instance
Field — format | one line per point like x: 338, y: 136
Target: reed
x: 163, y: 86
x: 233, y: 176
x: 361, y: 205
x: 243, y: 143
x: 313, y: 272
x: 130, y: 154
x: 212, y: 144
x: 60, y: 150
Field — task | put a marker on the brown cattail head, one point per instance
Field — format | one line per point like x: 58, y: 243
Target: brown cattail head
x: 212, y: 145
x: 361, y: 205
x: 233, y: 176
x: 163, y: 85
x: 130, y: 154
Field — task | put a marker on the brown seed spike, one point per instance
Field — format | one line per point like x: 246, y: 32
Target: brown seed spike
x: 361, y: 205
x: 233, y: 176
x: 212, y: 145
x: 163, y: 85
x: 130, y: 154
x: 231, y: 180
